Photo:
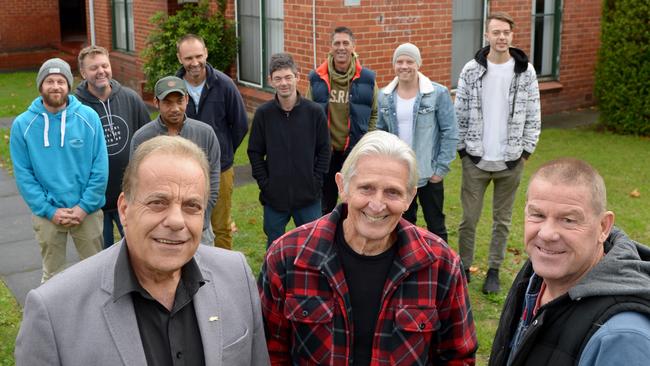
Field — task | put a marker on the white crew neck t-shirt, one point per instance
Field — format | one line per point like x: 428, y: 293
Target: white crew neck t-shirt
x: 496, y: 86
x: 404, y: 111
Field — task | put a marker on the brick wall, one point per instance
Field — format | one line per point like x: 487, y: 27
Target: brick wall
x: 380, y: 26
x: 578, y: 54
x: 28, y: 25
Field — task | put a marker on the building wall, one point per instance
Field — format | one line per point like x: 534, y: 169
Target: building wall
x: 380, y: 26
x: 28, y: 25
x: 578, y: 54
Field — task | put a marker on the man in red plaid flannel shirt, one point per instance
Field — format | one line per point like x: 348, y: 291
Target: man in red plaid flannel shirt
x: 362, y: 286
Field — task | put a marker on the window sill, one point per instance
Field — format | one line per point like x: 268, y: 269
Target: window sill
x: 550, y: 86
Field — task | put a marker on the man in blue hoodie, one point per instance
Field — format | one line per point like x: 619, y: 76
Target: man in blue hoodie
x: 61, y: 167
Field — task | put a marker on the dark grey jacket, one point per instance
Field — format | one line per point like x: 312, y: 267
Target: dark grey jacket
x: 200, y: 134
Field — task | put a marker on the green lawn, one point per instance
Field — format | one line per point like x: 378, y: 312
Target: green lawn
x: 17, y: 90
x: 622, y: 160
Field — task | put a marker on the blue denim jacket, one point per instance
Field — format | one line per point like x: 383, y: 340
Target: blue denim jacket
x: 435, y: 134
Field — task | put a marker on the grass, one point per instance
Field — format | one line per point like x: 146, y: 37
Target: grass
x: 10, y: 316
x: 17, y: 90
x: 620, y: 159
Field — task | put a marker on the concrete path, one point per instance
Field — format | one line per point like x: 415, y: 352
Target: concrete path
x: 20, y: 259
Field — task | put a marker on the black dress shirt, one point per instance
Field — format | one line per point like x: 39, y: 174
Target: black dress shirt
x: 169, y: 338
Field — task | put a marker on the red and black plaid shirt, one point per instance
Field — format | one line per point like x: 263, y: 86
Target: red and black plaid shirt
x: 425, y: 316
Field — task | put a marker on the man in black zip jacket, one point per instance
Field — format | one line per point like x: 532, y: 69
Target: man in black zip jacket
x: 122, y: 112
x: 289, y: 151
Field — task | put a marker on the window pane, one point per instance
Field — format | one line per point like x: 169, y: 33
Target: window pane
x: 543, y: 33
x: 249, y: 36
x: 467, y: 33
x: 119, y: 27
x: 274, y: 28
x: 130, y: 29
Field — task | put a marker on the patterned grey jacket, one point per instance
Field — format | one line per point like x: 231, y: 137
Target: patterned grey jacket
x: 524, y: 121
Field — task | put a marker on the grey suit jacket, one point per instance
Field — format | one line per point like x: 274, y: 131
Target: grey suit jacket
x: 73, y: 318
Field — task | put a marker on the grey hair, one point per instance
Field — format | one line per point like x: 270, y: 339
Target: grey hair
x: 383, y: 144
x: 172, y: 145
x: 280, y: 61
x: 574, y: 172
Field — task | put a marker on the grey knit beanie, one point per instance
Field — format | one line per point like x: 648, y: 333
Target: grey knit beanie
x: 408, y: 49
x: 54, y: 66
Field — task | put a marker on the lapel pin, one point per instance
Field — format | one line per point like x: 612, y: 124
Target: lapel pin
x: 213, y: 318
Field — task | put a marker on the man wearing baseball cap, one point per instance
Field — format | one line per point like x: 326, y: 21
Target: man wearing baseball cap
x: 171, y: 99
x: 421, y: 113
x: 61, y: 167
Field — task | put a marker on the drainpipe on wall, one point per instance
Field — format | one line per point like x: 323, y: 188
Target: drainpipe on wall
x: 313, y: 25
x: 91, y: 14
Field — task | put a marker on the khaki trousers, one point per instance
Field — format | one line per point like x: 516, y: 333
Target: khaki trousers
x: 52, y: 239
x: 221, y: 212
x: 474, y: 184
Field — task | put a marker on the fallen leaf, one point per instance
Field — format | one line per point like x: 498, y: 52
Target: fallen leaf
x: 514, y: 251
x: 635, y: 193
x: 473, y: 269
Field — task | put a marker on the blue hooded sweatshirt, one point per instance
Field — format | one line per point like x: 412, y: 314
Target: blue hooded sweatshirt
x: 60, y: 160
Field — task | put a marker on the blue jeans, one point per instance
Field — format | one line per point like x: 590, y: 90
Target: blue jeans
x: 275, y: 222
x: 111, y: 216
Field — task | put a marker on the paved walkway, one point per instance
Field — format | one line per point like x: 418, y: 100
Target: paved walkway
x: 20, y: 260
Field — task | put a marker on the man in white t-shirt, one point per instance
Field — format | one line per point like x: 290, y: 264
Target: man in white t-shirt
x: 498, y: 112
x: 421, y: 113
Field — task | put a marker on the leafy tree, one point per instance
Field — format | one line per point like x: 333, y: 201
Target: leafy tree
x: 218, y: 33
x: 623, y: 69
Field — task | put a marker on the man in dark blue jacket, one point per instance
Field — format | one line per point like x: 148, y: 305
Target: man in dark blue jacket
x: 215, y: 100
x: 289, y: 151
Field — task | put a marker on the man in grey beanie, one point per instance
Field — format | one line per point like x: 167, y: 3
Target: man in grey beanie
x: 431, y: 131
x: 61, y: 167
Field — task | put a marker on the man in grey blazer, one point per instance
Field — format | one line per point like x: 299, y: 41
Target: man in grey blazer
x: 156, y: 297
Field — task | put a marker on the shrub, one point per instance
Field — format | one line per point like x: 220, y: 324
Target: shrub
x: 623, y: 69
x: 218, y: 33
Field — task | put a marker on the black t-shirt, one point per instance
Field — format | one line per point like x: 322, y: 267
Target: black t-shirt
x: 168, y: 337
x: 365, y: 276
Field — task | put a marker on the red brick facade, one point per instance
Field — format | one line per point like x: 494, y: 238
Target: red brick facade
x: 29, y: 33
x: 379, y: 27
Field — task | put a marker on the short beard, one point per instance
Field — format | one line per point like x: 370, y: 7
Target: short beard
x: 54, y: 103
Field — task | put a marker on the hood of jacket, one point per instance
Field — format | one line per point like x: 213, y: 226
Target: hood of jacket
x: 38, y: 108
x: 521, y: 60
x: 84, y: 94
x: 424, y: 84
x: 624, y: 270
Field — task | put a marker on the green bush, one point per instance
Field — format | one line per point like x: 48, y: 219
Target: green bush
x: 623, y: 69
x: 218, y: 33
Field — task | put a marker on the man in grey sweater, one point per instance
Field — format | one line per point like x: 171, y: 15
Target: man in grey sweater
x: 171, y: 99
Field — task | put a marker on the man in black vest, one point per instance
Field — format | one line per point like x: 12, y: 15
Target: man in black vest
x: 348, y: 94
x: 583, y: 297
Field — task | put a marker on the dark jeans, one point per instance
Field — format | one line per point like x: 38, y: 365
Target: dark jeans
x: 111, y: 216
x: 275, y: 222
x: 330, y: 190
x: 432, y: 199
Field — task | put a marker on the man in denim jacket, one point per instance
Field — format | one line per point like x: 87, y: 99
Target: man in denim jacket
x: 421, y: 113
